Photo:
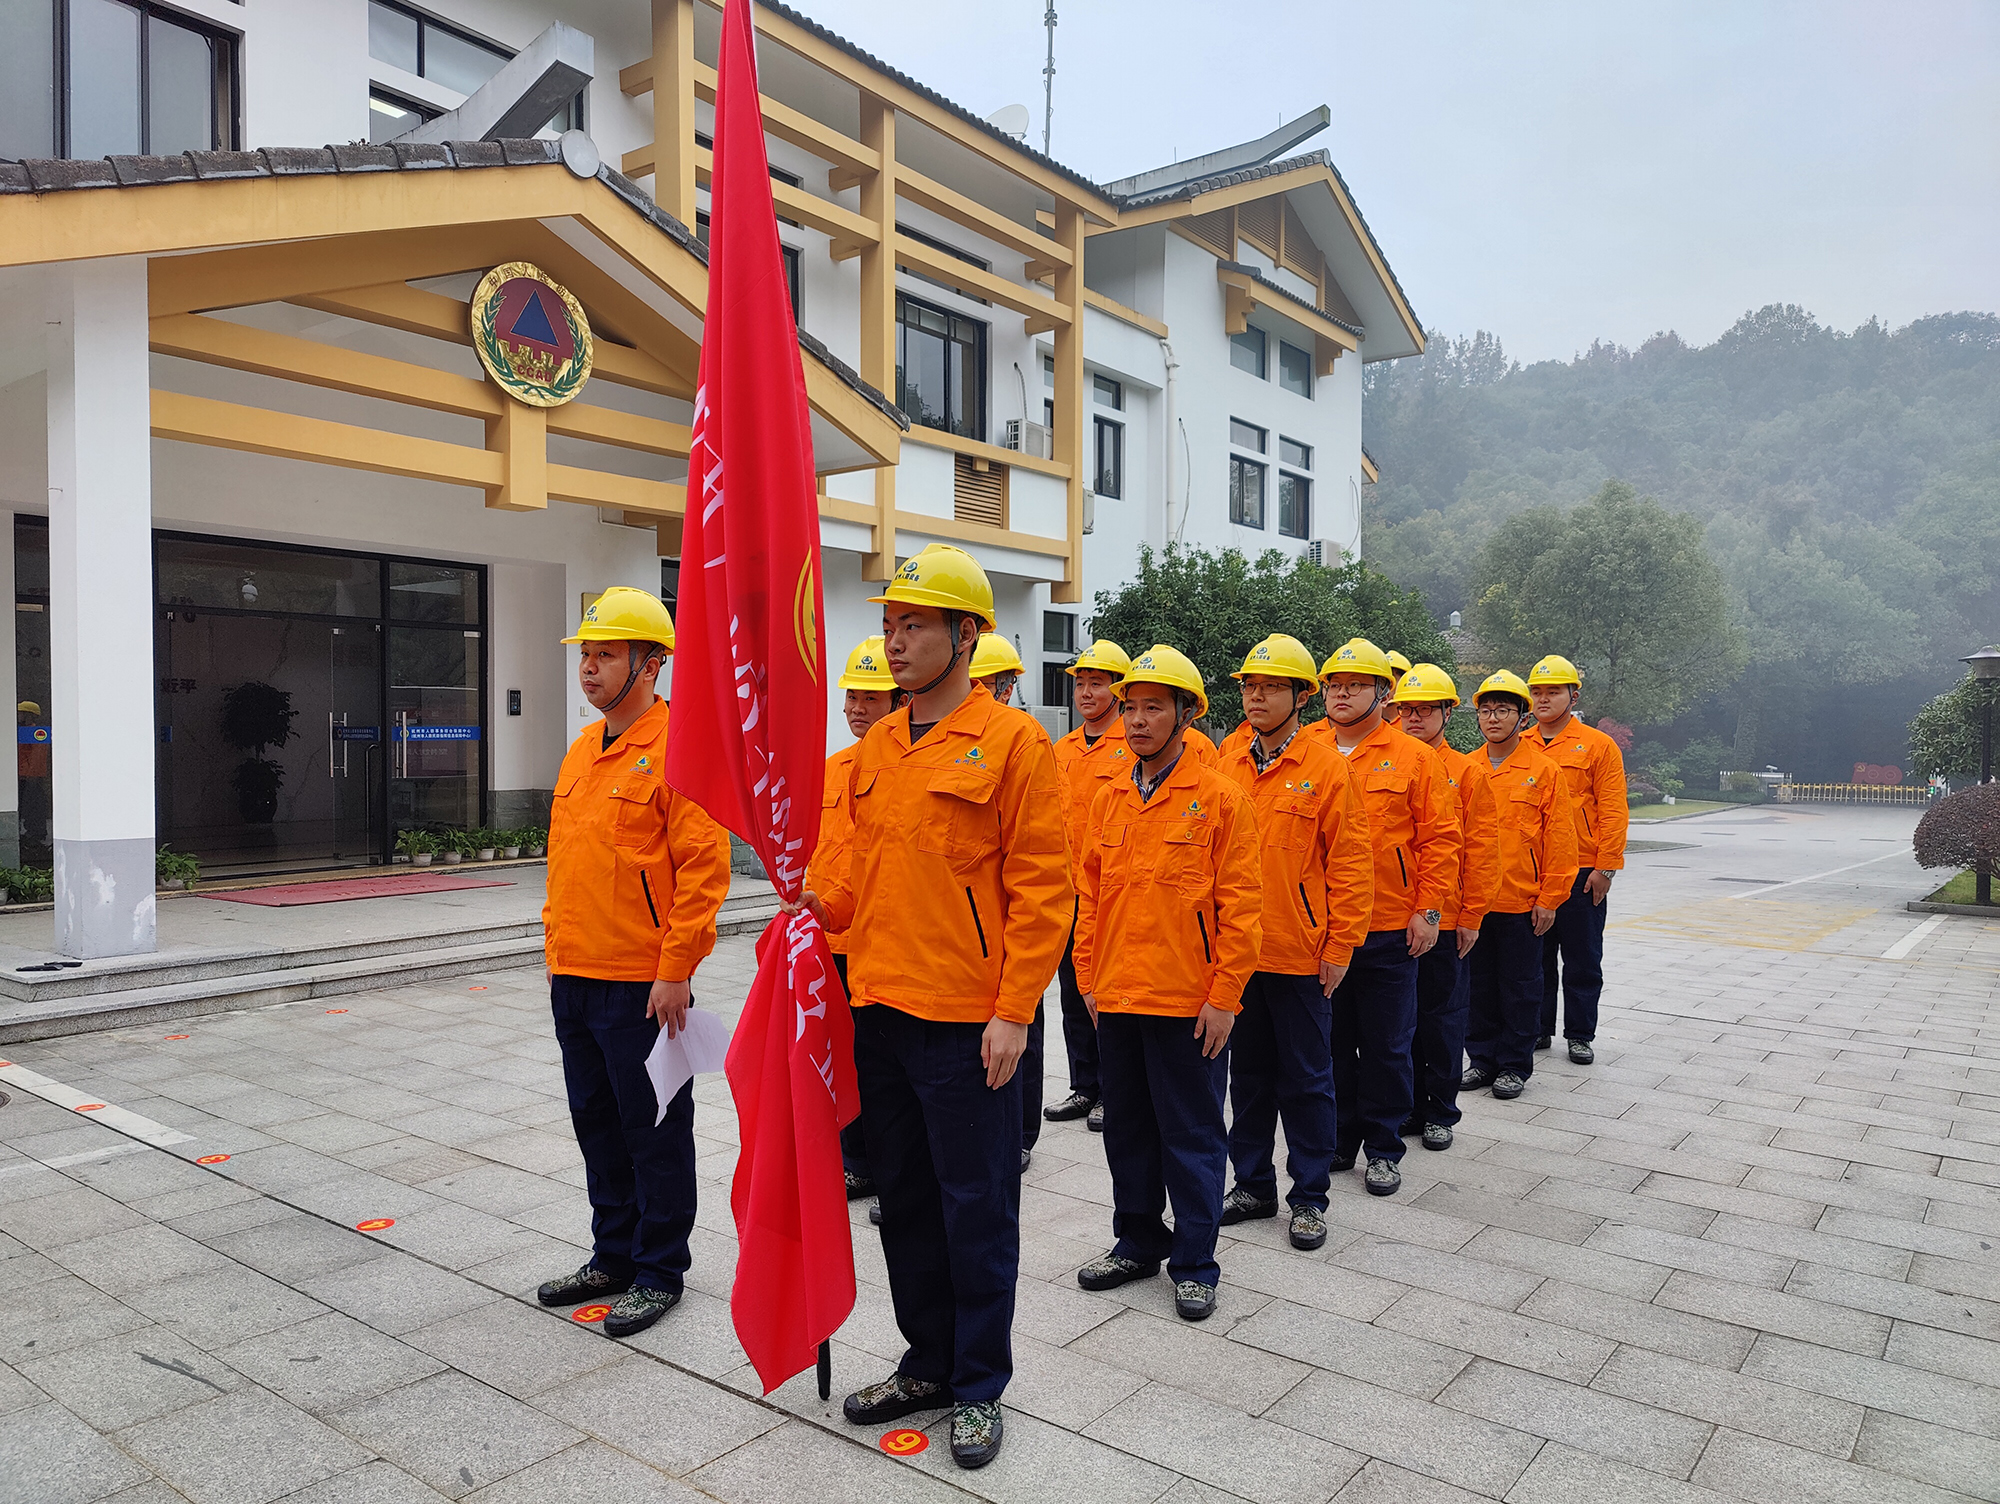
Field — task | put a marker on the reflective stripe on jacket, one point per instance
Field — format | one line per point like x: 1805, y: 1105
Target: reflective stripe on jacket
x: 957, y: 897
x: 637, y: 871
x: 1594, y: 776
x: 1479, y: 824
x: 1537, y: 831
x: 1318, y: 863
x: 1413, y: 821
x: 836, y: 836
x: 1171, y: 896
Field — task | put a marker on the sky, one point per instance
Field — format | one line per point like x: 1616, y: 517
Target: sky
x: 1554, y: 171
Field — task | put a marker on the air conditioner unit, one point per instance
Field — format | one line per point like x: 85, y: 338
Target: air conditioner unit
x: 1032, y: 439
x: 1054, y: 719
x: 1089, y: 510
x: 1326, y: 553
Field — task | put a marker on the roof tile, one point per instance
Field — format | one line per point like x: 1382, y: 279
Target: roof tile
x: 298, y: 161
x: 477, y: 154
x: 134, y: 171
x: 418, y: 155
x: 530, y: 152
x: 14, y: 178
x: 228, y: 164
x: 364, y: 156
x: 51, y: 175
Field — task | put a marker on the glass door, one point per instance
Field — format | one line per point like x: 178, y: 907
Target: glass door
x: 434, y: 733
x: 354, y: 742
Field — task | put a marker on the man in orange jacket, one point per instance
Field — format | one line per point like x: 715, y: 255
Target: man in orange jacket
x: 870, y: 693
x: 955, y: 904
x: 1444, y: 980
x: 1594, y: 777
x: 1087, y: 758
x: 1536, y: 867
x: 637, y: 874
x: 1319, y: 890
x: 1167, y: 934
x: 1413, y: 823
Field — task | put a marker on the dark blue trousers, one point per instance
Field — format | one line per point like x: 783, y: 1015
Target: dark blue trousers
x: 854, y: 1137
x: 1374, y: 1016
x: 1573, y: 953
x: 946, y: 1151
x: 1033, y: 1063
x: 1506, y: 1000
x: 1079, y: 1031
x: 1437, y: 1050
x: 1163, y: 1137
x: 1281, y: 1065
x: 640, y: 1178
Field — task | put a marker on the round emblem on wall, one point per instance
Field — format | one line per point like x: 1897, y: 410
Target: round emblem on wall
x: 531, y: 335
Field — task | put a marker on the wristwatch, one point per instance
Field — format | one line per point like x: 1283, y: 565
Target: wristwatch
x: 1431, y: 916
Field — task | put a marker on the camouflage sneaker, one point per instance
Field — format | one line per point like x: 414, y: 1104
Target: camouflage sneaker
x: 1243, y: 1206
x: 976, y: 1431
x: 1194, y: 1301
x: 637, y: 1309
x: 1507, y: 1086
x: 892, y: 1399
x: 1383, y: 1178
x: 1075, y: 1105
x: 1580, y: 1052
x: 1095, y: 1122
x: 1437, y: 1136
x: 1474, y: 1078
x: 858, y: 1185
x: 588, y: 1283
x: 1111, y: 1271
x: 1308, y: 1228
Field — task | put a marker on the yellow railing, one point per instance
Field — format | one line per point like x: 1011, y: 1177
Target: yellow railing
x: 1851, y: 793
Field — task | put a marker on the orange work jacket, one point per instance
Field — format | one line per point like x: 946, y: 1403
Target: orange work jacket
x: 1594, y: 778
x: 1170, y: 896
x: 1197, y: 742
x: 1084, y: 767
x: 1537, y: 830
x: 637, y: 871
x: 1479, y: 824
x: 1413, y: 821
x: 957, y: 896
x: 1318, y: 863
x: 836, y: 836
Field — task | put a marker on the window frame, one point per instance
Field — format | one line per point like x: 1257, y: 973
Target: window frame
x: 1107, y: 391
x: 1303, y: 487
x: 1108, y: 430
x: 1303, y: 462
x: 1242, y: 465
x: 1067, y: 633
x: 573, y: 112
x: 1261, y: 446
x: 1305, y: 356
x: 228, y: 135
x: 976, y: 404
x: 1239, y: 342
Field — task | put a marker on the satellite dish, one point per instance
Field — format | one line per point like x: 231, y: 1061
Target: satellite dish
x: 1011, y: 120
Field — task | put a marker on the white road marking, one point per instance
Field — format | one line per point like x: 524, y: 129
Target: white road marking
x: 118, y: 1119
x: 64, y: 1161
x: 1815, y: 877
x: 1908, y: 943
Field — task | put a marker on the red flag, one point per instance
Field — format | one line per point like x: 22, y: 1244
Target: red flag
x: 748, y: 741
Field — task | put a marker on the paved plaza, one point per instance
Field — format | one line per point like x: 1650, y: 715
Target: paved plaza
x: 1751, y: 1254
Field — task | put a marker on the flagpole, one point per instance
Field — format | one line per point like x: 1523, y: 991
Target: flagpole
x: 826, y: 1368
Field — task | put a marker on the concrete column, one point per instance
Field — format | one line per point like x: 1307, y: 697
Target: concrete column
x: 101, y: 606
x: 10, y: 765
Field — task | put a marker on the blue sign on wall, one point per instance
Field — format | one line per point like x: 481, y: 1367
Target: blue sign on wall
x: 36, y: 735
x: 437, y: 733
x: 357, y: 733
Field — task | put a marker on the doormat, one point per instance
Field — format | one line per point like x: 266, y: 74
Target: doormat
x: 339, y: 890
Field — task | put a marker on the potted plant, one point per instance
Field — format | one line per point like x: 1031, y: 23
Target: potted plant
x: 256, y: 716
x: 451, y: 847
x: 487, y: 843
x: 535, y: 840
x: 175, y: 869
x: 510, y: 844
x: 416, y: 846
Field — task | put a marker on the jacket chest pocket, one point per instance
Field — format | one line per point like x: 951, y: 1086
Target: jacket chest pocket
x: 1293, y: 820
x: 959, y: 821
x: 1186, y: 859
x: 635, y: 813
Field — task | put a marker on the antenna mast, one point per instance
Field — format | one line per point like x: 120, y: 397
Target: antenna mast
x: 1049, y: 77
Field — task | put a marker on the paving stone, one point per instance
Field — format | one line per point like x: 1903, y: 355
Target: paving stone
x: 1325, y: 1340
x: 1523, y: 1342
x: 1742, y: 1402
x: 395, y: 1293
x: 67, y: 1216
x: 1945, y: 1352
x: 296, y: 1248
x: 1377, y: 1483
x: 1216, y: 1368
x: 1768, y: 1472
x: 1887, y: 1297
x: 54, y: 1458
x: 1039, y: 1461
x: 1425, y: 1438
x: 1564, y: 1475
x: 1063, y: 1386
x: 53, y: 1315
x: 137, y: 1256
x: 621, y: 1404
x: 1602, y: 1204
x: 1254, y: 1459
x: 245, y: 1448
x: 1696, y: 1255
x: 1310, y: 1282
x: 1956, y: 1276
x: 1940, y: 1398
x: 1483, y: 1209
x: 1639, y: 1323
x: 212, y: 1311
x: 453, y: 1432
x: 1448, y: 1274
x: 1739, y: 1199
x: 1578, y: 1263
x: 587, y: 1473
x: 328, y: 1362
x: 121, y: 1380
x: 1787, y: 1242
x: 770, y: 1470
x: 1582, y: 1418
x: 375, y: 1482
x: 1787, y: 1315
x: 1950, y: 1459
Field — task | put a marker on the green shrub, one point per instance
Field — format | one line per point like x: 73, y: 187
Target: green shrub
x: 1961, y: 829
x: 175, y: 866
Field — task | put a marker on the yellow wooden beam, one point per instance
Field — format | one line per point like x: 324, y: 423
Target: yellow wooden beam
x: 240, y: 347
x: 1242, y: 291
x: 243, y: 275
x: 257, y: 430
x: 809, y: 209
x: 992, y: 454
x: 520, y: 436
x: 878, y: 310
x: 944, y: 527
x: 604, y: 425
x: 976, y: 217
x: 781, y: 120
x: 673, y: 109
x: 1368, y: 468
x: 1072, y: 419
x: 629, y: 493
x: 1123, y: 314
x: 944, y: 267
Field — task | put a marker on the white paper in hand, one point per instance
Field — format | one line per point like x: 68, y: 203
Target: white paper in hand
x: 699, y: 1048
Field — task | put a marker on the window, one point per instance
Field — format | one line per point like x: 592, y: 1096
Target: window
x: 1110, y: 458
x: 1108, y: 393
x: 1247, y: 435
x: 1058, y: 632
x: 455, y: 59
x: 391, y: 115
x: 670, y: 584
x: 99, y: 78
x: 1292, y: 452
x: 1246, y: 351
x: 1295, y: 369
x: 1294, y: 505
x: 794, y: 264
x: 941, y: 368
x: 1058, y: 688
x: 1246, y: 492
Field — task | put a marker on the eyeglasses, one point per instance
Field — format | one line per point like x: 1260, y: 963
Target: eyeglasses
x: 1498, y: 710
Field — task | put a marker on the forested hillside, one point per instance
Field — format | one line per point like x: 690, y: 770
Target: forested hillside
x: 1848, y: 485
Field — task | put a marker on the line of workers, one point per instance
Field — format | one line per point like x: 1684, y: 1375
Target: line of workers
x: 1337, y: 924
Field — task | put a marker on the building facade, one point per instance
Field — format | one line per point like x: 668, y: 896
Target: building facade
x: 290, y: 564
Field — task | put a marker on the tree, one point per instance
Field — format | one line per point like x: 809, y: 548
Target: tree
x: 1621, y: 586
x: 1945, y: 734
x: 1215, y: 607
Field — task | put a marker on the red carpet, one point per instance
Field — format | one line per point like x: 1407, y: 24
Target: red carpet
x: 340, y: 890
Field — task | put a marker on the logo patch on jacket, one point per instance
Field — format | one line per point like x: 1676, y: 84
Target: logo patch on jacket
x: 644, y: 764
x: 973, y: 755
x: 1194, y: 808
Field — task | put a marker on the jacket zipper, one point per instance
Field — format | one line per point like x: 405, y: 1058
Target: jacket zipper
x: 647, y: 888
x: 1586, y: 822
x: 1310, y: 917
x: 973, y: 904
x: 1400, y: 867
x: 1201, y: 919
x: 1533, y: 865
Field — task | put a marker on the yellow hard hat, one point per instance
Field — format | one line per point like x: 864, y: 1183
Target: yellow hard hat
x: 1358, y: 656
x: 867, y: 668
x: 1504, y: 682
x: 1160, y: 664
x: 1426, y: 684
x: 1106, y: 657
x: 625, y: 613
x: 994, y: 654
x: 27, y: 707
x: 945, y: 577
x: 1398, y: 662
x: 1280, y: 657
x: 1555, y: 669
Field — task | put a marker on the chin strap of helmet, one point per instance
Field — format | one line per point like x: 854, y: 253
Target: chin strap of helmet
x: 638, y: 663
x: 952, y: 619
